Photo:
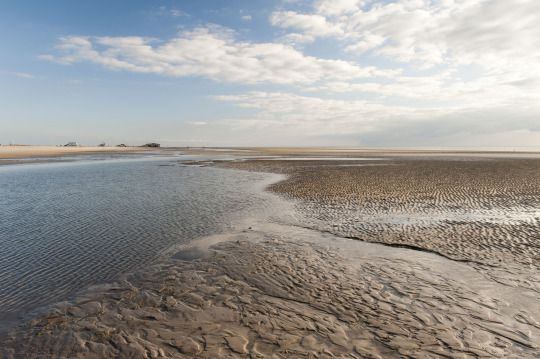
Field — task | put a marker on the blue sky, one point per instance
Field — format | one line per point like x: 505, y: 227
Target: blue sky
x: 224, y: 73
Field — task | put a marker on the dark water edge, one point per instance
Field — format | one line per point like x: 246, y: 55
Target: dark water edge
x: 66, y: 226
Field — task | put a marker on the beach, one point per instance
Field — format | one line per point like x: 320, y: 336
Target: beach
x: 481, y: 210
x: 374, y: 256
x: 315, y: 179
x: 10, y: 154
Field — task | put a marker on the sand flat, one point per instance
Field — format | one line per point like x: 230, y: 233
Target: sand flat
x: 360, y: 152
x: 256, y: 294
x: 483, y: 210
x: 308, y: 284
x: 46, y: 151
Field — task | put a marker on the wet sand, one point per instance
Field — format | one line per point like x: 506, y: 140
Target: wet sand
x: 456, y: 277
x: 485, y: 211
x: 257, y: 294
x: 351, y: 152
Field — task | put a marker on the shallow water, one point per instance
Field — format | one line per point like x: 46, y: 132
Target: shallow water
x: 328, y: 158
x: 87, y: 157
x: 512, y: 215
x: 64, y: 226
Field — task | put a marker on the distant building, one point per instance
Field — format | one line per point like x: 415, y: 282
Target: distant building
x: 71, y: 144
x: 121, y: 145
x: 152, y: 144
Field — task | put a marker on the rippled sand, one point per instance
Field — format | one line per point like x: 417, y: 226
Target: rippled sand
x: 479, y: 210
x: 457, y: 276
x: 257, y: 294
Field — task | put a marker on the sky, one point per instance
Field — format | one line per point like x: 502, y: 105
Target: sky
x: 382, y: 73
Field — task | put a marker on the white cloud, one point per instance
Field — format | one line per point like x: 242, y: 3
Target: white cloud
x: 467, y: 53
x: 310, y: 25
x: 445, y: 87
x: 246, y: 17
x: 496, y: 34
x: 297, y: 39
x: 337, y: 7
x: 367, y: 42
x: 19, y: 74
x: 210, y: 52
x: 24, y: 75
x: 311, y: 115
x: 357, y: 122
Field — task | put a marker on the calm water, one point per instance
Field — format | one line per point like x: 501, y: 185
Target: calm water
x: 65, y: 226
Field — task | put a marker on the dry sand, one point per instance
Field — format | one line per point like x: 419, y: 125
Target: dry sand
x: 296, y: 288
x: 45, y: 151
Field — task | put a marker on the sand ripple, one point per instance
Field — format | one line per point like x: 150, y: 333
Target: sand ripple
x: 480, y: 210
x: 275, y: 298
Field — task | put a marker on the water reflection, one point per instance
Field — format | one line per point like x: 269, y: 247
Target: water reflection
x: 64, y: 226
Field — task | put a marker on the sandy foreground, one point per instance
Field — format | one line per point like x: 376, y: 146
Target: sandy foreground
x: 453, y: 272
x: 45, y: 151
x: 257, y: 295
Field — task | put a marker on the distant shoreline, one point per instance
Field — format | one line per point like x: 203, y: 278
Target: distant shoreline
x: 350, y: 152
x: 33, y: 151
x: 12, y: 152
